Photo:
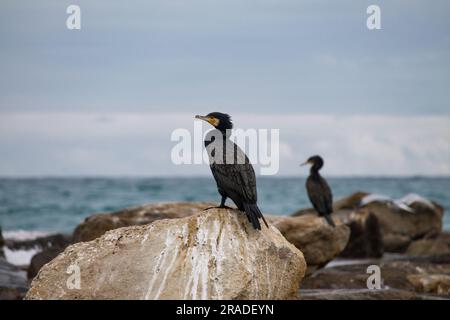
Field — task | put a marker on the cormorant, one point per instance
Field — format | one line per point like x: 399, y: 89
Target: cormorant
x: 231, y: 168
x: 319, y: 191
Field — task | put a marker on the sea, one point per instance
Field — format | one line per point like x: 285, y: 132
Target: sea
x: 58, y: 205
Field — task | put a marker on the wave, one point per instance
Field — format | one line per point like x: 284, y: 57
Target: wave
x: 20, y: 257
x: 21, y: 235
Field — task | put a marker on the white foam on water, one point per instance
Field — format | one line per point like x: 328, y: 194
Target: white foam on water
x: 20, y: 257
x: 22, y: 235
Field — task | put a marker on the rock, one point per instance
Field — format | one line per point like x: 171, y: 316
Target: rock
x: 21, y: 252
x: 40, y: 259
x: 13, y: 281
x: 96, y: 225
x: 396, y: 242
x: 366, y: 240
x: 401, y: 273
x: 40, y: 243
x: 399, y: 222
x: 431, y: 283
x: 399, y: 227
x: 2, y: 244
x: 319, y: 242
x: 359, y: 294
x: 439, y: 245
x: 215, y: 254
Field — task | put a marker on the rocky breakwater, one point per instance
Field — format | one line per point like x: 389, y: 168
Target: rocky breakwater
x: 215, y: 254
x: 380, y: 224
x: 402, y: 277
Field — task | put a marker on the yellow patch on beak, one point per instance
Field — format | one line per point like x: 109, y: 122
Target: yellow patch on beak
x: 213, y: 121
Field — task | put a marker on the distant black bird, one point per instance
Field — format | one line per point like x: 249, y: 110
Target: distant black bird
x: 319, y: 191
x: 231, y: 168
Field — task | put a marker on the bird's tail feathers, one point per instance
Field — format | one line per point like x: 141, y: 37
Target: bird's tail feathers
x: 254, y: 214
x: 329, y: 220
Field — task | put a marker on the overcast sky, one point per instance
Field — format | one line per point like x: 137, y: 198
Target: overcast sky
x: 104, y: 100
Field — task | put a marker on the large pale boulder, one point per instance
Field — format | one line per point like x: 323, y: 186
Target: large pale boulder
x: 215, y: 254
x: 319, y: 242
x: 96, y: 225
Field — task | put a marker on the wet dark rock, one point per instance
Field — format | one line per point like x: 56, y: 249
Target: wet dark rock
x: 48, y: 247
x: 41, y: 243
x: 13, y: 281
x: 42, y: 258
x: 2, y: 244
x: 360, y: 294
x: 409, y: 277
x: 365, y: 240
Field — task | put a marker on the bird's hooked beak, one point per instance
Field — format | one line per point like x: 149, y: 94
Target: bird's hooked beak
x: 201, y: 117
x: 211, y: 120
x: 305, y: 163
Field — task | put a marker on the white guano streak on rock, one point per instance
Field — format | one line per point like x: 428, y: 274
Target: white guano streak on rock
x: 200, y: 260
x: 216, y: 241
x: 159, y: 264
x: 185, y: 234
x: 167, y: 271
x: 145, y: 239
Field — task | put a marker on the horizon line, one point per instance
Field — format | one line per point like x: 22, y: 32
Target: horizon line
x: 132, y: 176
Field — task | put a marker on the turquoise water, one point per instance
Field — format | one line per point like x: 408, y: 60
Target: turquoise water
x: 59, y: 204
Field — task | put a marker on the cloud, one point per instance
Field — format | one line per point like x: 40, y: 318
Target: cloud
x: 298, y: 56
x: 139, y: 143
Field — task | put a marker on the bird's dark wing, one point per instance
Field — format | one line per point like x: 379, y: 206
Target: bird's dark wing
x: 236, y: 179
x: 328, y: 195
x: 320, y: 195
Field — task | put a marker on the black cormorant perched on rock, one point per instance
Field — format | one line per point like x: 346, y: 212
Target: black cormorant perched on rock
x: 319, y: 191
x: 231, y: 168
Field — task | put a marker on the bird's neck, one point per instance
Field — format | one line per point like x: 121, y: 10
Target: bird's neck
x: 216, y: 136
x: 314, y: 172
x: 225, y: 132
